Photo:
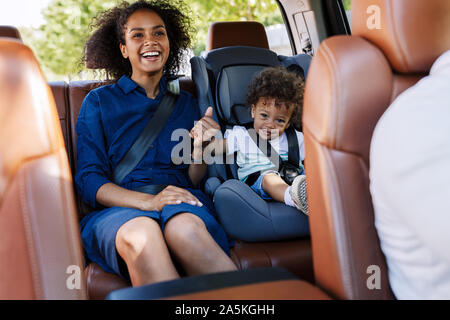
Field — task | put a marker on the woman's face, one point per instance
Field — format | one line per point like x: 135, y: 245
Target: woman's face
x: 146, y: 43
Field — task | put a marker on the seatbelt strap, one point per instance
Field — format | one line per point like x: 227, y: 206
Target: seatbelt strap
x: 266, y: 148
x: 269, y: 152
x: 293, y: 152
x: 152, y: 188
x: 143, y: 142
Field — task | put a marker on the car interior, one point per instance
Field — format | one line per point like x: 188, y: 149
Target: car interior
x: 351, y: 79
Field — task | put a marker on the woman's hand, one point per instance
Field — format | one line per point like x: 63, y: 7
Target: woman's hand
x: 204, y: 130
x: 170, y: 195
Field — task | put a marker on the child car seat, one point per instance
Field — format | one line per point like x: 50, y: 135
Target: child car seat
x: 222, y: 78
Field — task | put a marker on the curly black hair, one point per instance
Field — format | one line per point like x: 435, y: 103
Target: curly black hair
x: 102, y: 49
x: 281, y: 84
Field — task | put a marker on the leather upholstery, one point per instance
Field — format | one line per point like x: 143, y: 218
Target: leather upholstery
x: 352, y: 81
x: 411, y: 31
x: 101, y: 283
x: 10, y: 32
x: 39, y: 239
x: 294, y: 255
x: 236, y: 33
x: 272, y: 290
x: 59, y: 90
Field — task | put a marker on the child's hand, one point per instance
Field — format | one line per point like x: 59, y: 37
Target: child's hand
x: 205, y: 129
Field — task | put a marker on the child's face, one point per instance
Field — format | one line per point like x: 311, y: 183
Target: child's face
x: 270, y: 119
x: 146, y: 43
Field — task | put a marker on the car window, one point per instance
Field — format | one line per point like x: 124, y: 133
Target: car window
x: 278, y: 39
x: 56, y: 30
x: 347, y: 7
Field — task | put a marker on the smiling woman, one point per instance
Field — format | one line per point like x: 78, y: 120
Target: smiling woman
x: 140, y: 46
x: 114, y: 22
x: 146, y: 46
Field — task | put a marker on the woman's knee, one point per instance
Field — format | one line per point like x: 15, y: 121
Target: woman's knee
x: 133, y: 236
x: 183, y: 228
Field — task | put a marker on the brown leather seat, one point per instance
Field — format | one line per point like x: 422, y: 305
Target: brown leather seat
x: 352, y: 80
x: 10, y: 32
x: 39, y: 237
x: 236, y: 33
x: 60, y: 90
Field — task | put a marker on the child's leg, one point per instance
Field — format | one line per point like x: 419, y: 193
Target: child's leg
x: 294, y: 196
x: 274, y: 186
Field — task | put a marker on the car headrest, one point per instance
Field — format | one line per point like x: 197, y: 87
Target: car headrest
x: 410, y: 33
x: 10, y: 32
x: 28, y: 115
x: 236, y: 33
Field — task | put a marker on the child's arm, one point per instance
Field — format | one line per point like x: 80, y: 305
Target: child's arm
x: 203, y: 134
x: 216, y: 147
x: 200, y: 155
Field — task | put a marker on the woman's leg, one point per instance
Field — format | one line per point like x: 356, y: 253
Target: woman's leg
x: 141, y: 245
x: 194, y: 247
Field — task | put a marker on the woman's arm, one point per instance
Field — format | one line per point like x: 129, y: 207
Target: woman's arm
x: 112, y: 195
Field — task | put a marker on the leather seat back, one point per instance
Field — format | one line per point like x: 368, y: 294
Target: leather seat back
x: 236, y: 33
x: 10, y: 32
x: 40, y: 245
x: 352, y: 81
x: 60, y: 93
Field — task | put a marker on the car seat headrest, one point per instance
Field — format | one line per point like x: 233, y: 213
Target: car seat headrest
x: 234, y: 68
x: 10, y: 32
x: 236, y: 33
x: 410, y: 33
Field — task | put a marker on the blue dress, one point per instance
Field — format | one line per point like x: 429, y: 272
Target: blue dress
x: 110, y: 120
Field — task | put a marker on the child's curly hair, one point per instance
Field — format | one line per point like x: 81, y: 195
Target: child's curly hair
x: 102, y: 50
x: 282, y: 85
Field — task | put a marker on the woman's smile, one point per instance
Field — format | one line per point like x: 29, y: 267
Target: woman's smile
x: 146, y: 43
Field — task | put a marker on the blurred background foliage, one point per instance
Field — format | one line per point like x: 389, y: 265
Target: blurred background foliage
x: 59, y: 43
x: 347, y: 4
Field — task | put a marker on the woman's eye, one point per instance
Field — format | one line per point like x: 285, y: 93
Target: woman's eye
x: 138, y: 35
x: 263, y: 115
x: 159, y: 33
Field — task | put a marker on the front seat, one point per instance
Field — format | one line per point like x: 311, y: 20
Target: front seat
x: 40, y: 249
x: 352, y: 81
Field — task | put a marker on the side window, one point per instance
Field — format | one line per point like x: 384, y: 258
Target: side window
x: 56, y: 30
x: 347, y: 7
x: 279, y: 39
